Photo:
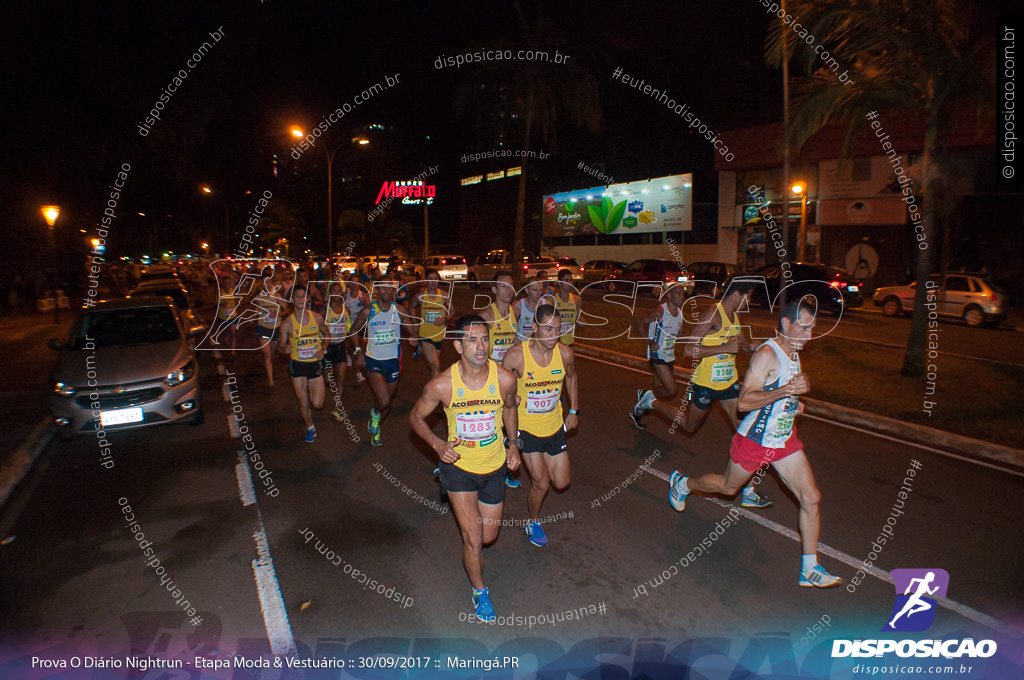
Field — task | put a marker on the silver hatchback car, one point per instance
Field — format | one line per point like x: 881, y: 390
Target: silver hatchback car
x: 971, y: 297
x: 126, y: 364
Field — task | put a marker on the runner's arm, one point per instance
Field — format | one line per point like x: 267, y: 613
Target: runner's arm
x: 571, y: 385
x: 705, y: 328
x: 643, y: 323
x: 510, y: 415
x: 751, y: 397
x: 286, y: 333
x: 424, y: 406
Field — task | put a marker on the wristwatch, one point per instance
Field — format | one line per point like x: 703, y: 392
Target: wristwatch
x: 517, y: 442
x: 574, y: 412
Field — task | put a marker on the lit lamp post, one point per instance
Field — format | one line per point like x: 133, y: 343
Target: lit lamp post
x: 50, y: 213
x: 800, y: 189
x: 206, y: 249
x: 227, y: 217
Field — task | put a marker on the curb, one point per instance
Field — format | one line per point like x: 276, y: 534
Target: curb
x: 975, y: 449
x: 24, y: 457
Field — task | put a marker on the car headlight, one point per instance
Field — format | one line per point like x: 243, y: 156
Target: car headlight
x: 64, y: 389
x: 181, y: 375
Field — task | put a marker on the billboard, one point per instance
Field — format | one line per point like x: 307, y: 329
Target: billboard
x: 647, y: 205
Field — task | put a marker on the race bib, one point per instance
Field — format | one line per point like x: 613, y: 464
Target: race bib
x: 307, y: 352
x: 541, y: 402
x: 722, y: 371
x: 384, y: 337
x: 668, y: 344
x: 432, y: 316
x: 785, y: 426
x: 474, y: 426
x: 498, y: 352
x: 565, y: 328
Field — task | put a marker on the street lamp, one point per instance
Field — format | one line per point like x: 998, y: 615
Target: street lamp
x: 227, y: 217
x: 800, y: 189
x: 50, y: 213
x: 298, y: 132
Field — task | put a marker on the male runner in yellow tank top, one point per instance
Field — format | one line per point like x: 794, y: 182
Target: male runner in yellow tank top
x: 305, y: 335
x: 478, y: 397
x: 543, y: 366
x: 567, y: 304
x: 433, y: 305
x: 714, y: 378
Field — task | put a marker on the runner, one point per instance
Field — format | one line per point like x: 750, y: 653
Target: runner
x: 661, y: 328
x: 267, y: 329
x: 477, y: 396
x: 501, y: 318
x: 355, y: 299
x: 224, y: 328
x: 567, y: 304
x: 336, y: 358
x: 767, y: 436
x: 304, y: 331
x: 434, y: 307
x: 542, y: 365
x: 536, y: 295
x: 383, y: 358
x: 714, y: 378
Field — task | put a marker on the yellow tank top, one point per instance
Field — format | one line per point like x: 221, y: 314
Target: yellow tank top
x: 338, y: 324
x: 719, y: 371
x: 474, y: 416
x: 503, y: 333
x: 431, y: 309
x: 539, y: 390
x: 567, y: 315
x: 226, y: 305
x: 305, y: 339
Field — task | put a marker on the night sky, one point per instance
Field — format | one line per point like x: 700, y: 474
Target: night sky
x: 79, y: 78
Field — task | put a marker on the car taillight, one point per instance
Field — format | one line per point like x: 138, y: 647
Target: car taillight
x: 581, y: 269
x: 525, y: 267
x: 836, y: 284
x: 444, y: 261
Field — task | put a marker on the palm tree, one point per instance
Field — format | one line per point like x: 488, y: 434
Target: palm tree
x: 536, y: 92
x: 914, y: 58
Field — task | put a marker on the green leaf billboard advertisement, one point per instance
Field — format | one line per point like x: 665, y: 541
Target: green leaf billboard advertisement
x: 647, y: 205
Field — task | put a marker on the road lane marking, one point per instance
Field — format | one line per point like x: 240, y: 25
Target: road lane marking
x: 246, y: 491
x: 848, y: 560
x: 905, y: 442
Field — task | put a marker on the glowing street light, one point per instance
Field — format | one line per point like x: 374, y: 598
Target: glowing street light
x: 800, y: 189
x: 50, y: 214
x: 227, y: 217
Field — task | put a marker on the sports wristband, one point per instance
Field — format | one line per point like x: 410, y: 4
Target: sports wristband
x: 574, y: 412
x: 517, y: 442
x: 357, y: 350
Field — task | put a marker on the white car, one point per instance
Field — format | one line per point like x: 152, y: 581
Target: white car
x: 970, y: 297
x: 348, y: 265
x: 449, y: 267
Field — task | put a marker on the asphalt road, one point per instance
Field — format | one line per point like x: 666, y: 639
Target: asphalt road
x: 75, y: 578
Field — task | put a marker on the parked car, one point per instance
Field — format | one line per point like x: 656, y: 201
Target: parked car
x: 651, y: 271
x: 971, y: 297
x: 349, y: 265
x: 411, y: 269
x: 844, y: 290
x: 182, y: 298
x: 449, y: 267
x: 157, y: 272
x: 535, y: 265
x: 572, y: 265
x: 125, y: 364
x: 720, y: 273
x: 598, y: 270
x: 486, y: 266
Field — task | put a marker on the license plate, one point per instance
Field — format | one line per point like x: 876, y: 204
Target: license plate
x: 852, y: 289
x: 121, y: 416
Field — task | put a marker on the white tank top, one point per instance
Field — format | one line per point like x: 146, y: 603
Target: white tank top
x: 383, y: 332
x: 664, y: 330
x: 354, y: 305
x: 771, y: 426
x: 526, y: 319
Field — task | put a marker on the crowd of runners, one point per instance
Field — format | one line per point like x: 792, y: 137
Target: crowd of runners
x: 513, y: 395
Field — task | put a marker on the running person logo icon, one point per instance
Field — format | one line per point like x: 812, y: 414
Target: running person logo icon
x: 915, y: 611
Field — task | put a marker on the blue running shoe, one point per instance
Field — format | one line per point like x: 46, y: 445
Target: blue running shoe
x: 818, y: 578
x: 752, y: 499
x: 512, y: 483
x: 311, y: 435
x: 374, y: 423
x: 482, y: 606
x: 375, y: 438
x: 536, y: 534
x: 676, y: 495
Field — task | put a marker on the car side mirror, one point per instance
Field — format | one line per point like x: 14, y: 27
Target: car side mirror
x: 55, y: 344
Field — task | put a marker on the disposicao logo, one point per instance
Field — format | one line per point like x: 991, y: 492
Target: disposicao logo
x: 913, y: 611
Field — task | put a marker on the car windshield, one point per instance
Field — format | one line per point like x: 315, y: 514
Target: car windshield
x: 118, y: 327
x: 570, y: 261
x: 176, y: 294
x: 453, y: 260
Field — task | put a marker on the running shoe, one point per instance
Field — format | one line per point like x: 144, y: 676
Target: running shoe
x: 482, y: 606
x: 638, y: 419
x: 337, y: 416
x: 536, y: 534
x: 818, y: 578
x: 676, y: 495
x: 373, y: 425
x: 311, y: 435
x: 752, y: 499
x: 375, y: 438
x: 512, y: 483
